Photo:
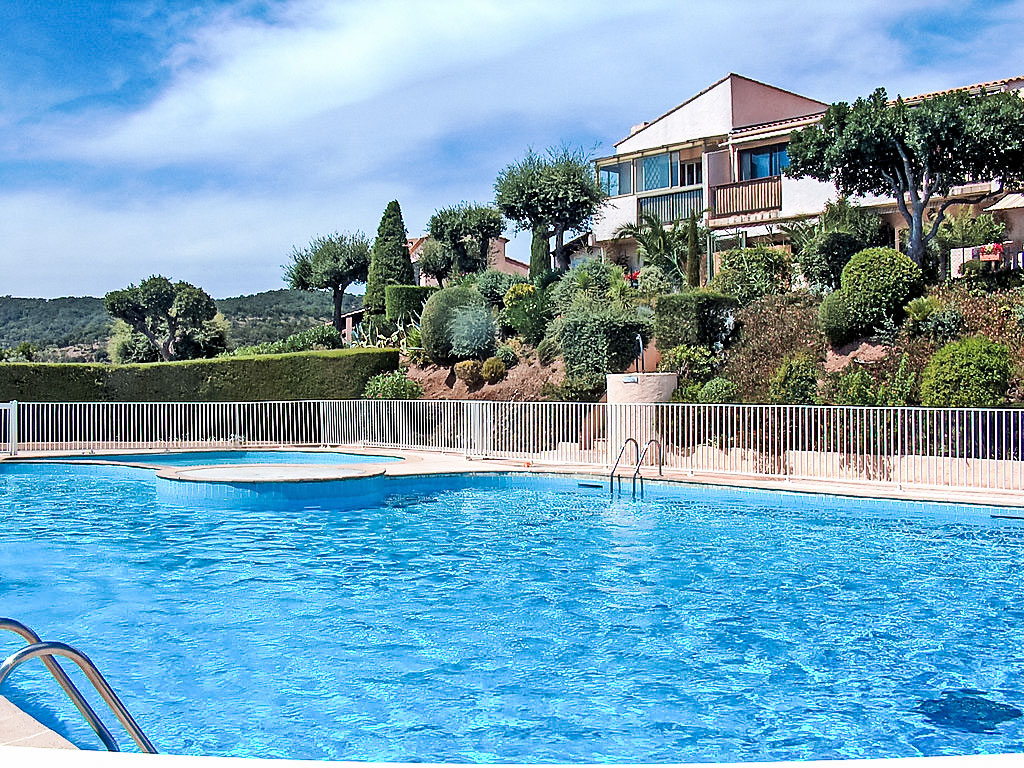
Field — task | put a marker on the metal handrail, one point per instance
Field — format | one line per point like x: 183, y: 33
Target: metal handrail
x: 11, y: 625
x: 46, y: 650
x: 615, y: 466
x: 640, y: 461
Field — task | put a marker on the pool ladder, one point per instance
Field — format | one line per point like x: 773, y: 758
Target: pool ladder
x: 640, y: 456
x: 36, y: 648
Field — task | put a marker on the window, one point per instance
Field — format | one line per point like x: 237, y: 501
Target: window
x: 616, y: 179
x: 656, y: 172
x: 691, y: 173
x: 763, y: 161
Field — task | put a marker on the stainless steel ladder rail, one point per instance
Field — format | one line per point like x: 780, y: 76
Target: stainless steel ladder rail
x: 46, y: 651
x: 615, y: 466
x: 640, y: 461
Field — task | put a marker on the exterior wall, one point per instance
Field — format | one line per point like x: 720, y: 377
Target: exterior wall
x: 754, y: 103
x: 496, y: 259
x: 709, y: 114
x: 805, y: 197
x: 617, y: 211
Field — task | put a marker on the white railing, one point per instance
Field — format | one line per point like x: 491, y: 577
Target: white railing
x: 962, y: 448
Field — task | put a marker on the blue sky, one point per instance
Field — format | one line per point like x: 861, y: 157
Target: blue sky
x: 203, y: 140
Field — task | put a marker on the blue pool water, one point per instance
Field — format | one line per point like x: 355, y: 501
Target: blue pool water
x: 523, y: 619
x: 194, y: 458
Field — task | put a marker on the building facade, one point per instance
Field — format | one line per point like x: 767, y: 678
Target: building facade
x: 721, y: 154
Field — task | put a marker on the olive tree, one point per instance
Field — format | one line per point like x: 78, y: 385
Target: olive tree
x: 330, y: 263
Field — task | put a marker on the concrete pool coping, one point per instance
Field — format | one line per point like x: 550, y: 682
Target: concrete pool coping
x: 21, y: 729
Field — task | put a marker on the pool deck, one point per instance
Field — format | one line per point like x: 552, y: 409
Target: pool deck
x: 19, y: 731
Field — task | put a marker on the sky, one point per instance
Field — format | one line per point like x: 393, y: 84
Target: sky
x: 205, y: 140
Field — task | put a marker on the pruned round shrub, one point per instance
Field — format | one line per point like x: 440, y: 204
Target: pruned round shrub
x: 394, y: 385
x: 472, y: 332
x: 795, y: 382
x: 471, y: 372
x: 973, y: 373
x: 602, y: 343
x: 438, y: 313
x: 878, y: 283
x: 718, y: 390
x: 493, y: 285
x: 507, y: 355
x: 493, y: 370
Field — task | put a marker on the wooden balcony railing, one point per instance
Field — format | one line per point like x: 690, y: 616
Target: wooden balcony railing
x: 747, y: 196
x: 673, y: 206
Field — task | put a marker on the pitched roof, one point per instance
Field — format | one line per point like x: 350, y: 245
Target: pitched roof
x: 991, y: 86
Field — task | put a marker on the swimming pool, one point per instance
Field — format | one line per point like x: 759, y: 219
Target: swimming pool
x: 194, y: 458
x: 521, y: 618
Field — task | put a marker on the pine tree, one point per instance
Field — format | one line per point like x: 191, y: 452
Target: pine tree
x: 692, y: 258
x: 389, y: 261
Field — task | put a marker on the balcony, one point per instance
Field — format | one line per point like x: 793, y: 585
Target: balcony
x: 672, y: 206
x: 750, y: 196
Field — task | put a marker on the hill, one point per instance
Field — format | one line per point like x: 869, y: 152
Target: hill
x: 76, y: 328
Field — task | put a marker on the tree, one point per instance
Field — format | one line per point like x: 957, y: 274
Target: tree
x: 389, y: 259
x: 436, y: 261
x: 915, y: 153
x: 692, y: 258
x: 467, y: 230
x: 176, y: 318
x: 550, y: 195
x: 659, y: 244
x: 330, y: 263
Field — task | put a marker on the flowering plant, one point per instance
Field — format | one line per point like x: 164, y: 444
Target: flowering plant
x: 993, y: 251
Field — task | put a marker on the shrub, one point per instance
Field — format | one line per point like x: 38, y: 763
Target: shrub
x: 335, y: 375
x: 317, y: 337
x: 652, y: 281
x: 750, y: 273
x: 394, y: 385
x: 472, y: 332
x: 526, y: 311
x: 438, y: 312
x: 507, y: 355
x: 795, y: 382
x: 405, y: 302
x: 601, y: 343
x: 694, y: 318
x: 686, y: 392
x: 878, y: 283
x: 942, y: 326
x: 494, y: 370
x: 972, y: 373
x: 695, y: 363
x: 586, y: 284
x: 470, y: 372
x: 582, y: 388
x: 836, y: 319
x: 856, y: 387
x: 718, y: 390
x: 822, y: 260
x: 549, y: 349
x: 493, y: 285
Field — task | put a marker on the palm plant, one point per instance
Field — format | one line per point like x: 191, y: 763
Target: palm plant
x: 659, y: 244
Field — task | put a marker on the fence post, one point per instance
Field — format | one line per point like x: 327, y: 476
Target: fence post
x: 12, y: 427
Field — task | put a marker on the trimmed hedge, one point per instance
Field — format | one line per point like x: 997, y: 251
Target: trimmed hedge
x: 329, y: 375
x: 973, y: 373
x: 403, y: 302
x: 693, y: 318
x: 600, y: 344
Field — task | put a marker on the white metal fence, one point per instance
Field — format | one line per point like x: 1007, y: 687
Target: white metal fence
x: 967, y: 448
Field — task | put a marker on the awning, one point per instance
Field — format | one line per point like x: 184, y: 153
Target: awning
x: 1012, y: 200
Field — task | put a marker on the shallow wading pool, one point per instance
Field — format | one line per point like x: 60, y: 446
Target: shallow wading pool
x: 518, y: 618
x: 197, y: 458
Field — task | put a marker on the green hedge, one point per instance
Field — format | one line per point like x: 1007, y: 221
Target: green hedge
x: 973, y: 373
x: 328, y: 375
x: 595, y: 344
x: 403, y: 302
x: 693, y: 318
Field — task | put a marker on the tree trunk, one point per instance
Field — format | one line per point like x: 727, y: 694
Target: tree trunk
x: 540, y: 253
x: 561, y: 258
x: 339, y: 300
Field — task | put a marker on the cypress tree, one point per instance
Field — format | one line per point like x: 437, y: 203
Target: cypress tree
x: 540, y: 252
x: 692, y: 260
x: 389, y: 260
